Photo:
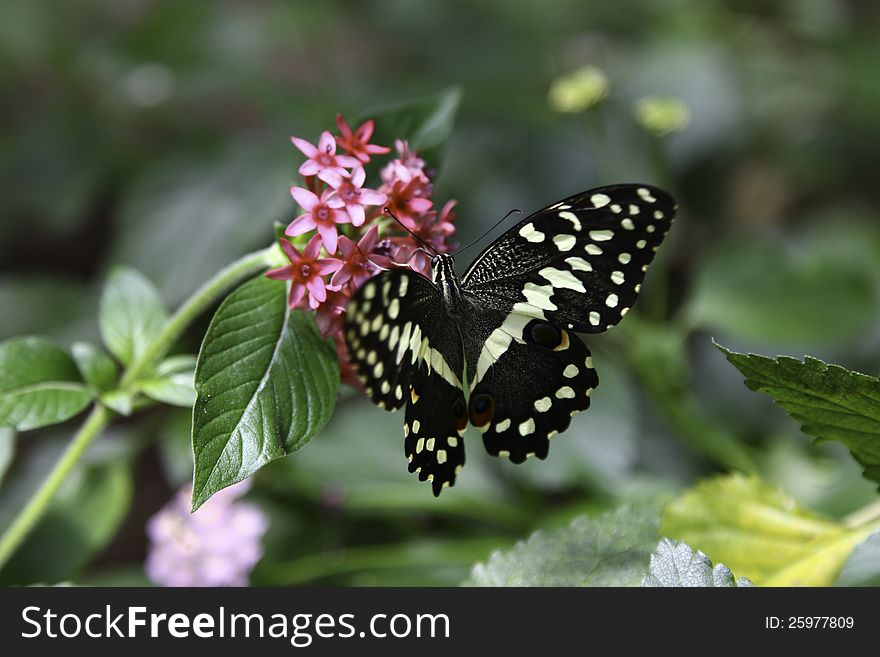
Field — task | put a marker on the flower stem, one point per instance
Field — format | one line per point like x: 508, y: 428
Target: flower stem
x: 100, y: 416
x: 34, y: 509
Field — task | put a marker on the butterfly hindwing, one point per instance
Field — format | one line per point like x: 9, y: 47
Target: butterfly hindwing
x: 436, y: 417
x: 535, y: 384
x: 578, y: 263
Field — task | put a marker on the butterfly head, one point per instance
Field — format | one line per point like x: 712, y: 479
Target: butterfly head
x: 444, y: 277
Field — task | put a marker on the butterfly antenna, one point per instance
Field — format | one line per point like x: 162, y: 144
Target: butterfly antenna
x: 402, y: 225
x: 494, y: 226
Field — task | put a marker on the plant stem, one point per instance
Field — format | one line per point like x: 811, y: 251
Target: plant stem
x: 34, y: 509
x: 100, y: 416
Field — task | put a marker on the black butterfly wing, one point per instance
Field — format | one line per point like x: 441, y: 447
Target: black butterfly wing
x: 407, y: 350
x: 577, y: 265
x: 538, y: 381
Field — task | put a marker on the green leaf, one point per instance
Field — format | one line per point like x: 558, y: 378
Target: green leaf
x: 39, y: 384
x: 265, y: 381
x: 676, y: 564
x: 863, y: 566
x: 775, y: 294
x: 175, y: 389
x: 131, y: 313
x: 181, y: 363
x: 829, y: 401
x: 7, y: 450
x: 425, y: 123
x: 96, y: 367
x: 120, y: 401
x: 760, y: 532
x: 608, y: 550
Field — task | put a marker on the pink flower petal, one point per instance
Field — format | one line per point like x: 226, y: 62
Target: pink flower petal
x: 329, y: 235
x: 346, y: 246
x: 306, y: 199
x: 309, y: 168
x: 300, y: 225
x: 328, y: 265
x: 297, y: 292
x: 327, y: 144
x: 365, y: 130
x: 307, y: 148
x: 356, y: 213
x: 348, y: 161
x: 313, y: 248
x: 316, y: 289
x: 420, y: 204
x: 372, y: 197
x: 368, y: 241
x: 290, y: 251
x: 341, y: 277
x: 341, y: 216
x: 358, y: 176
x: 284, y: 273
x: 331, y: 177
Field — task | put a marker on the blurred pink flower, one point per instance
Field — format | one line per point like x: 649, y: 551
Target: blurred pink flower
x: 305, y: 271
x: 405, y: 167
x: 323, y: 156
x: 218, y: 545
x: 405, y: 200
x: 330, y: 315
x: 348, y: 190
x: 357, y: 143
x: 321, y: 213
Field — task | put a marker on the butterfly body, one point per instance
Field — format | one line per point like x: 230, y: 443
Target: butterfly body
x: 497, y: 348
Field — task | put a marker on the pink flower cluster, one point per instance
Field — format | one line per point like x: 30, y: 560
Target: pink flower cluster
x: 352, y: 237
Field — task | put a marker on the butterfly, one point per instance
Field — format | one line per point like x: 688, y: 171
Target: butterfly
x: 497, y: 348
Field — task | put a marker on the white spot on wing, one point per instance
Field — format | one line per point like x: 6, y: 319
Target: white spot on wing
x: 578, y: 264
x: 611, y: 301
x: 594, y: 318
x: 624, y: 258
x: 565, y: 392
x: 543, y: 405
x: 617, y: 277
x: 570, y: 371
x: 593, y: 249
x: 527, y: 427
x: 601, y: 235
x: 564, y: 242
x: 560, y: 278
x: 572, y: 217
x: 530, y: 233
x: 646, y: 194
x: 503, y: 426
x: 599, y: 200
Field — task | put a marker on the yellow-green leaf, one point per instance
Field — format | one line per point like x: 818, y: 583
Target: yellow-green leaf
x: 760, y: 532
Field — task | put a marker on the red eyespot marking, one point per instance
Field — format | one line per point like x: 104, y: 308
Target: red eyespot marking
x: 482, y: 409
x: 459, y: 415
x: 563, y: 342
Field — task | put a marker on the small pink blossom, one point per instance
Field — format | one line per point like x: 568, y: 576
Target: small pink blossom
x: 305, y: 272
x: 405, y: 167
x: 348, y: 191
x: 321, y: 213
x: 358, y: 261
x: 357, y: 143
x: 323, y: 157
x: 330, y: 315
x: 405, y: 199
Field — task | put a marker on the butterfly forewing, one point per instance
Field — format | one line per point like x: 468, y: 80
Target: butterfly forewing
x: 578, y: 263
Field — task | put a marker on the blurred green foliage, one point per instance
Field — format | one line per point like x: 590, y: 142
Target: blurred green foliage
x: 155, y: 134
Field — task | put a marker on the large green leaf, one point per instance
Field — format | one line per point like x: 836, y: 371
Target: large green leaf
x: 830, y: 402
x: 772, y: 293
x: 39, y: 384
x: 265, y: 382
x: 131, y: 313
x: 425, y: 123
x: 676, y: 564
x: 863, y: 566
x: 760, y: 532
x: 609, y: 550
